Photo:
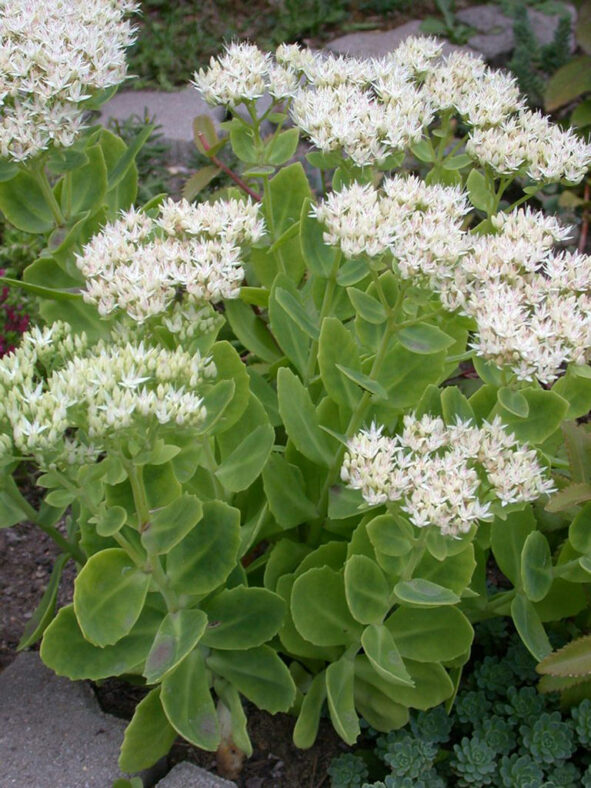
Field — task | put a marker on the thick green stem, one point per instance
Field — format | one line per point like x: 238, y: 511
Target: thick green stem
x: 324, y: 311
x: 418, y: 551
x: 62, y: 542
x: 65, y: 546
x: 40, y: 176
x: 143, y: 512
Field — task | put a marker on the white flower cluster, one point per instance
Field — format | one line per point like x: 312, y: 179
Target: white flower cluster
x: 529, y: 142
x: 53, y: 56
x: 464, y: 83
x: 63, y: 401
x: 139, y: 264
x: 532, y: 307
x: 420, y: 224
x: 370, y: 109
x: 243, y: 73
x: 446, y: 476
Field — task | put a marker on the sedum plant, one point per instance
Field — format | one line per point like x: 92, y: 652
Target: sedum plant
x: 291, y: 427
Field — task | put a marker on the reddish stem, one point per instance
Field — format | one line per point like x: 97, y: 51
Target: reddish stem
x: 585, y: 224
x: 236, y: 178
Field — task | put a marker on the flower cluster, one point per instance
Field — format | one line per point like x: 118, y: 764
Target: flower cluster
x: 63, y: 401
x: 529, y: 142
x: 53, y: 57
x: 243, y: 73
x: 532, y: 307
x: 140, y: 265
x: 420, y: 224
x: 447, y: 476
x: 370, y: 109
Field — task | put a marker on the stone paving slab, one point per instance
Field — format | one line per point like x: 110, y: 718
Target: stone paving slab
x: 495, y: 38
x: 52, y: 732
x: 187, y: 775
x: 174, y: 112
x: 378, y: 43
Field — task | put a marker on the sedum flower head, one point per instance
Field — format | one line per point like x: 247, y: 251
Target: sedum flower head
x: 529, y: 142
x: 463, y: 82
x: 63, y: 401
x: 436, y: 471
x: 240, y: 74
x: 531, y: 306
x: 141, y: 265
x: 53, y: 57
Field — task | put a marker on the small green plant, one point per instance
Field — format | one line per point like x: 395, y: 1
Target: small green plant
x: 512, y: 737
x: 448, y: 25
x: 532, y: 63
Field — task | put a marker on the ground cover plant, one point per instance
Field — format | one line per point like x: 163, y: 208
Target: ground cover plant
x: 289, y: 434
x: 501, y: 731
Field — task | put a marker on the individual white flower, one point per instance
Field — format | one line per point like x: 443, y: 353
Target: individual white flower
x: 53, y: 57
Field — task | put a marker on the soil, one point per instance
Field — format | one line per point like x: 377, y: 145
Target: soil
x: 26, y: 560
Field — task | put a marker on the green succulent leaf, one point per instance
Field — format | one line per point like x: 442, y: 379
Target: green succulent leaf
x: 536, y: 566
x: 242, y: 618
x: 109, y: 594
x: 430, y: 634
x: 319, y: 608
x: 366, y: 589
x: 530, y: 628
x: 67, y: 652
x: 170, y: 524
x: 188, y: 704
x: 381, y: 650
x: 148, y: 737
x: 424, y: 593
x: 208, y: 553
x: 340, y: 682
x: 177, y: 635
x: 572, y: 660
x: 259, y: 674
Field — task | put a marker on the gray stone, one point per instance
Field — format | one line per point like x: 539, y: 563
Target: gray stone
x: 187, y: 775
x: 52, y: 731
x: 174, y: 112
x: 378, y: 43
x: 495, y: 38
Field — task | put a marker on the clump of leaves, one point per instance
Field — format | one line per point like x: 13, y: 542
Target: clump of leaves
x: 151, y: 161
x: 500, y: 731
x: 534, y: 63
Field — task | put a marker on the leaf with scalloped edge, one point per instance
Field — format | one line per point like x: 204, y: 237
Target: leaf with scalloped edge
x: 574, y: 659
